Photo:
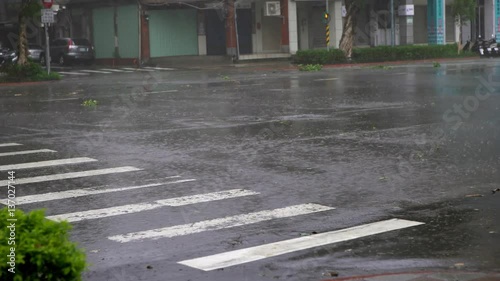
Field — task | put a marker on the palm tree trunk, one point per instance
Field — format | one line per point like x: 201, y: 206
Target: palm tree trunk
x: 348, y: 33
x: 23, y: 41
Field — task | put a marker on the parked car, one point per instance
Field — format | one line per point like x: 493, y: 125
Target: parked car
x: 65, y: 51
x: 34, y: 51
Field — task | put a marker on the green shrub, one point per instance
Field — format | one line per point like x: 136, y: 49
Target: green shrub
x: 43, y: 250
x: 319, y: 57
x: 310, y: 67
x: 380, y: 54
x: 23, y: 73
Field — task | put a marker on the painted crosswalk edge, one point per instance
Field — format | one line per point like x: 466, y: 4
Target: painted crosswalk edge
x: 74, y: 193
x: 222, y: 223
x: 24, y: 152
x: 49, y: 163
x: 147, y: 206
x: 9, y: 144
x: 242, y: 256
x: 71, y: 175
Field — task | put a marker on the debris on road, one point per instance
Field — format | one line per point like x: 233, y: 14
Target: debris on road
x: 473, y: 195
x: 331, y: 274
x: 495, y: 190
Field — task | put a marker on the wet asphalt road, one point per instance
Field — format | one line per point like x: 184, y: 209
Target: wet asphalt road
x: 411, y: 142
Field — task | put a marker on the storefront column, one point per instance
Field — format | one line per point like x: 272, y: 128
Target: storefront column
x: 436, y: 28
x: 293, y: 32
x: 496, y: 6
x: 231, y: 44
x: 285, y: 35
x: 336, y: 22
x: 406, y: 24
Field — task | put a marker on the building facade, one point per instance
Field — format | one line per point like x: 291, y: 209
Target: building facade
x: 135, y: 31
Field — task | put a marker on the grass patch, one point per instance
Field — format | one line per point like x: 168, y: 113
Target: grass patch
x: 90, y: 103
x: 436, y: 64
x: 31, y: 72
x: 310, y: 67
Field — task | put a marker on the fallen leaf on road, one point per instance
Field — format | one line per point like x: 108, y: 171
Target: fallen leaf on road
x: 331, y: 274
x: 459, y: 265
x: 474, y: 195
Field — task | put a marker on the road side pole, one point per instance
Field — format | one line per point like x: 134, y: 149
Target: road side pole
x: 47, y: 48
x: 327, y: 28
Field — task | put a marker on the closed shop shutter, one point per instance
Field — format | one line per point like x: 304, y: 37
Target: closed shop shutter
x: 173, y: 33
x: 128, y: 31
x: 103, y: 32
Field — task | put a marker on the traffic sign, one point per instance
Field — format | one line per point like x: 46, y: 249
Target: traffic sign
x: 47, y: 3
x: 47, y: 16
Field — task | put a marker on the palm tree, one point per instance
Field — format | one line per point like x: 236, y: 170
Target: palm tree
x: 28, y: 10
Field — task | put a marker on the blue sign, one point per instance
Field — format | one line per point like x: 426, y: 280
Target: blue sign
x: 435, y: 22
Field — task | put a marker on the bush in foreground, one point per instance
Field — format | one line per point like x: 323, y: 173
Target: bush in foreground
x: 42, y: 249
x: 380, y: 54
x: 26, y: 73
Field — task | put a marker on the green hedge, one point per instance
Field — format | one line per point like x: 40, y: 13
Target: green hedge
x: 34, y: 248
x: 380, y: 54
x: 26, y: 73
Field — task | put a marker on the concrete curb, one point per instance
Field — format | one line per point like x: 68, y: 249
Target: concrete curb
x: 424, y: 276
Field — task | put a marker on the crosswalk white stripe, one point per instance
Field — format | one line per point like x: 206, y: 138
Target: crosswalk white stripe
x: 71, y: 175
x: 242, y: 256
x: 9, y: 144
x: 96, y: 71
x: 74, y: 73
x: 40, y: 164
x: 24, y: 152
x: 135, y: 208
x: 116, y: 70
x: 51, y: 196
x: 159, y: 68
x: 137, y: 69
x: 221, y: 223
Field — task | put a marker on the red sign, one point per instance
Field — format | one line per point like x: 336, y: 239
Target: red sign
x: 47, y: 3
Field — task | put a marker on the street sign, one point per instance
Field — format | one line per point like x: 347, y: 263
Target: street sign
x: 47, y: 3
x: 47, y: 16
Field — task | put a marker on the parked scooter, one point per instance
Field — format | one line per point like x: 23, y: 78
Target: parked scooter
x: 489, y: 48
x: 7, y: 56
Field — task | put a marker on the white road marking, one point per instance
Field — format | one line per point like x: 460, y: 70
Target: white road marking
x: 242, y: 256
x: 138, y: 69
x: 59, y: 99
x: 26, y: 152
x: 117, y: 70
x: 9, y: 144
x: 399, y: 73
x: 96, y: 71
x: 74, y: 73
x: 71, y: 175
x: 30, y: 199
x: 159, y: 68
x: 160, y: 92
x: 135, y: 208
x: 50, y: 163
x: 221, y: 223
x: 326, y: 79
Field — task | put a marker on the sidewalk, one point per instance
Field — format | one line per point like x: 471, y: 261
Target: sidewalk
x: 425, y: 276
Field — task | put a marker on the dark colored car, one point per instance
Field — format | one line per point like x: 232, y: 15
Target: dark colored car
x: 67, y: 50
